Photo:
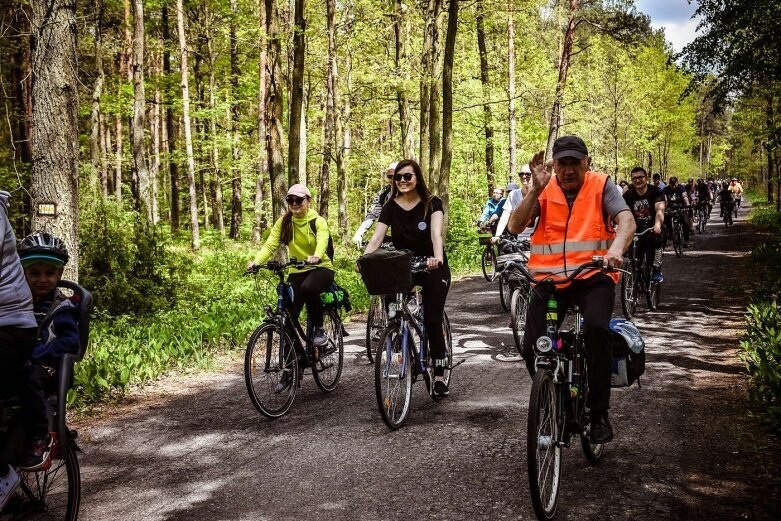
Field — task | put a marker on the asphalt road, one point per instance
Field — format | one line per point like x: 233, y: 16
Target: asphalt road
x: 192, y: 447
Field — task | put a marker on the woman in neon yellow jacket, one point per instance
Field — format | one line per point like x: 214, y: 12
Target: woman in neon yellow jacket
x: 304, y: 242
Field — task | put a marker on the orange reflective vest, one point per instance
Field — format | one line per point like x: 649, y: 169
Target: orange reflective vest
x: 567, y: 237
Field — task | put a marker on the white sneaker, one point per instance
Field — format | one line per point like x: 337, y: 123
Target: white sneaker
x: 8, y: 485
x: 320, y: 338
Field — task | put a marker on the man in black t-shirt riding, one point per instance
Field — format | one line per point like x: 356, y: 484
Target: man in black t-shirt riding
x: 677, y: 199
x: 647, y: 204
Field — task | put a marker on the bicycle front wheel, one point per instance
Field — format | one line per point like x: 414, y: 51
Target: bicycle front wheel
x: 629, y: 291
x: 54, y: 493
x: 504, y: 292
x: 393, y: 377
x: 654, y: 296
x: 488, y: 262
x: 543, y: 451
x: 448, y: 347
x: 271, y: 370
x: 519, y: 304
x: 376, y: 321
x: 327, y: 370
x: 678, y: 239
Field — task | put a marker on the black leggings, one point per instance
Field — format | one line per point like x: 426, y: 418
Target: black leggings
x: 435, y: 285
x: 307, y: 287
x: 594, y: 296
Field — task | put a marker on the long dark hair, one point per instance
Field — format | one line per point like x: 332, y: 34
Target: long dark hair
x: 286, y: 234
x: 423, y: 192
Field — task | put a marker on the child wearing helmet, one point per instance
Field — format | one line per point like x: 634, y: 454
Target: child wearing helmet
x: 43, y: 257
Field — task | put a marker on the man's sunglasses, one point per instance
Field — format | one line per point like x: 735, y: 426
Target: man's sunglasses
x: 292, y: 199
x: 638, y: 177
x: 407, y: 177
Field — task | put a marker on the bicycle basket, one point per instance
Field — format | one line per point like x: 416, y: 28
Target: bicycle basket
x: 386, y: 272
x: 484, y: 238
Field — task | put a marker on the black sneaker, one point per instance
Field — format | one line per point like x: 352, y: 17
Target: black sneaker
x: 284, y: 381
x: 601, y: 430
x: 440, y: 389
x: 37, y: 457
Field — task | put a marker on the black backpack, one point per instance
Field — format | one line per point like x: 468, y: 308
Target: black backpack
x: 329, y: 250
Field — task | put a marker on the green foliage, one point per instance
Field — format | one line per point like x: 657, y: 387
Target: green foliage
x: 126, y: 262
x: 762, y: 354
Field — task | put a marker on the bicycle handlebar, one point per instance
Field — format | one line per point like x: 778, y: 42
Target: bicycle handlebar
x: 644, y: 232
x: 278, y: 267
x: 595, y: 264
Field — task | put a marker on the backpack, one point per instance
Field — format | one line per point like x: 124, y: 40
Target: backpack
x: 628, y: 354
x: 329, y: 250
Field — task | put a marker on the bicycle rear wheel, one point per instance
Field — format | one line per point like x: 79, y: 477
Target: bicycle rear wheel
x: 376, y: 321
x: 54, y: 493
x: 504, y: 292
x: 592, y: 451
x: 543, y: 452
x: 263, y: 369
x: 678, y: 239
x: 629, y: 291
x: 327, y: 370
x: 393, y: 377
x: 519, y: 304
x: 488, y: 262
x: 703, y: 220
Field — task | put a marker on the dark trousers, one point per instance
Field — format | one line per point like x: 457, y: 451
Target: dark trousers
x: 647, y: 248
x: 594, y: 296
x: 307, y: 287
x: 16, y: 344
x: 687, y: 224
x: 42, y: 384
x: 434, y: 285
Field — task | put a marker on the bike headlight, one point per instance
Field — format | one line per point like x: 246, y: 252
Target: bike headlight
x: 544, y: 344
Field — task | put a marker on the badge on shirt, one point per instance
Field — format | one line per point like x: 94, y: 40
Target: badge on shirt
x: 422, y: 225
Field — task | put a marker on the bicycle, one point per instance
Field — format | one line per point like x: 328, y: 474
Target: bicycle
x: 376, y: 318
x: 638, y: 279
x: 488, y: 256
x: 403, y: 356
x: 676, y: 224
x: 279, y: 346
x: 727, y: 208
x: 519, y: 249
x: 557, y: 404
x: 702, y: 215
x: 55, y: 491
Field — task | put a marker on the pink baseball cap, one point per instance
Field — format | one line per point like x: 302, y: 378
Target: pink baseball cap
x: 299, y: 190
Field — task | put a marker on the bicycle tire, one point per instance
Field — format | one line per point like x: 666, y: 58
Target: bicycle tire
x: 54, y: 493
x: 543, y: 453
x: 327, y: 370
x: 678, y: 239
x: 703, y: 220
x: 504, y: 292
x: 488, y: 262
x: 654, y: 296
x: 261, y: 381
x: 629, y: 291
x: 519, y: 305
x: 448, y: 334
x: 376, y: 320
x: 393, y: 378
x: 592, y: 451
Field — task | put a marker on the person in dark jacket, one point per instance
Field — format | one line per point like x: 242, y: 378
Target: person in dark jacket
x: 43, y: 257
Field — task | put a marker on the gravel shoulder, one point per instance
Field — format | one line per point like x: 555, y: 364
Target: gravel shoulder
x: 192, y: 446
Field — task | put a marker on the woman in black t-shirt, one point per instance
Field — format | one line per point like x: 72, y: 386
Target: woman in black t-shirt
x: 415, y: 217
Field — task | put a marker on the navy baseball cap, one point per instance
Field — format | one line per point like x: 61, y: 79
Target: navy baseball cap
x: 569, y: 146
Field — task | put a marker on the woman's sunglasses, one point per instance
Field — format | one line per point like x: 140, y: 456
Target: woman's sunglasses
x: 292, y: 199
x: 407, y: 177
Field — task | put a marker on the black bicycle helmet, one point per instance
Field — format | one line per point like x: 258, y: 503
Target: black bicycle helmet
x: 42, y: 247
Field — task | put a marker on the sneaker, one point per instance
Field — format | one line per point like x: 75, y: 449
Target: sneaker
x: 657, y: 276
x: 284, y: 381
x: 8, y: 485
x: 37, y: 457
x: 319, y: 338
x: 440, y: 389
x: 601, y: 430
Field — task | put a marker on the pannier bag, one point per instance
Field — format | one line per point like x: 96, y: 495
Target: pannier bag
x: 484, y: 235
x: 386, y: 272
x: 336, y: 296
x: 628, y: 353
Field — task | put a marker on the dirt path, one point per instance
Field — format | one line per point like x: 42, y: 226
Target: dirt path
x: 194, y: 448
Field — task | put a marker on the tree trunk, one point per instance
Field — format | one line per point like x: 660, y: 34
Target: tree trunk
x: 154, y: 167
x: 21, y: 77
x: 274, y: 102
x: 139, y: 111
x: 447, y: 111
x: 97, y: 91
x: 296, y: 94
x: 259, y: 223
x: 170, y: 130
x: 215, y: 151
x: 196, y: 236
x: 55, y: 132
x: 401, y: 34
x: 427, y: 81
x: 435, y: 105
x: 329, y: 123
x: 555, y: 121
x: 484, y: 79
x: 511, y: 93
x: 236, y: 206
x: 343, y: 149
